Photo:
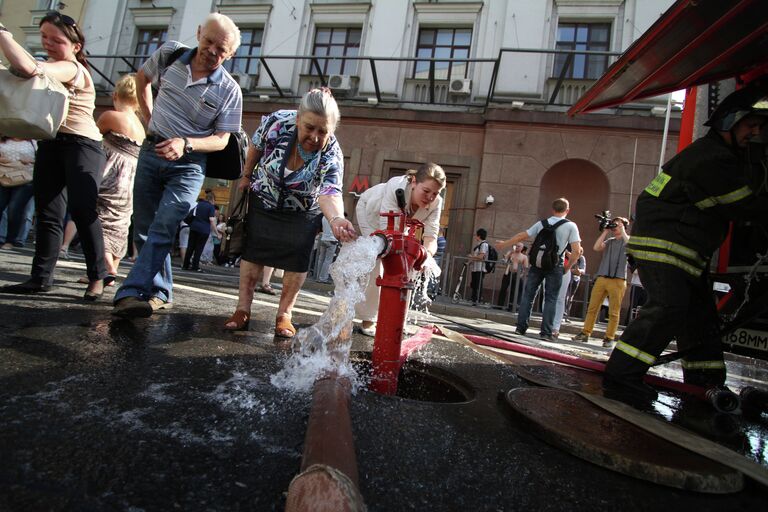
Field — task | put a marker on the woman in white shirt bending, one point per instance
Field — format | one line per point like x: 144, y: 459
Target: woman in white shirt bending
x: 422, y: 202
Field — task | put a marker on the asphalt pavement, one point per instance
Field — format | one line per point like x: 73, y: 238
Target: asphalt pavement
x: 173, y: 413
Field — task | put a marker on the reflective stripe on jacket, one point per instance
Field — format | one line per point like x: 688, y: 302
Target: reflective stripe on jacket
x: 683, y: 215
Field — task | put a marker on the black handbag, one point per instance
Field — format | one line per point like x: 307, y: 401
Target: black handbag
x: 228, y: 163
x: 190, y: 216
x: 234, y: 234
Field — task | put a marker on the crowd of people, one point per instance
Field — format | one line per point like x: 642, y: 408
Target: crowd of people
x: 141, y: 166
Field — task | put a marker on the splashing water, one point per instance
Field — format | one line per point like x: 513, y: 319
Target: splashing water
x: 324, y: 347
x: 426, y: 280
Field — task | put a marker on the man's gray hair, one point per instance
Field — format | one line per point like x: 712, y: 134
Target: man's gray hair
x: 321, y: 102
x: 227, y: 24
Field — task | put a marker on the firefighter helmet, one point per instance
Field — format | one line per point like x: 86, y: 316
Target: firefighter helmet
x: 749, y: 100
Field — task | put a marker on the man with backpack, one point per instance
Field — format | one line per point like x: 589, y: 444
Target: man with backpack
x: 478, y: 264
x: 197, y: 107
x: 551, y: 236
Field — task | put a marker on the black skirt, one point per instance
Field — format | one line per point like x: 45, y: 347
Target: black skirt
x: 280, y: 238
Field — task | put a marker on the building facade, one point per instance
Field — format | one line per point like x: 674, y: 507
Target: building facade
x: 479, y: 87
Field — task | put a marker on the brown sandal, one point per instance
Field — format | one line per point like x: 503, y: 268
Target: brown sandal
x: 266, y: 289
x: 240, y: 318
x: 283, y: 326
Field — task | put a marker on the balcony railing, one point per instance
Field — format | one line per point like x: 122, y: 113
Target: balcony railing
x: 429, y: 91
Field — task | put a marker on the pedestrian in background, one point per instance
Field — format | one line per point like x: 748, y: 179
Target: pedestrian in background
x: 611, y: 281
x: 203, y: 224
x: 569, y: 263
x: 577, y: 270
x: 565, y: 232
x: 326, y: 251
x: 477, y: 265
x: 17, y: 160
x: 123, y: 134
x: 516, y: 265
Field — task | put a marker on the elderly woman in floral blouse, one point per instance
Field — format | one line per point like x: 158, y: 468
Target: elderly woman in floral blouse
x: 294, y: 173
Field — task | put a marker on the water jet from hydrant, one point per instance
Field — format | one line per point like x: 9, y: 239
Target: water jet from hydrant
x: 324, y: 347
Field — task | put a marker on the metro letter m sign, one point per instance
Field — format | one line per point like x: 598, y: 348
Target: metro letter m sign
x: 359, y: 184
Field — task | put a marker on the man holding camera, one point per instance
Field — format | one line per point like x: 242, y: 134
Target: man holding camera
x: 611, y: 277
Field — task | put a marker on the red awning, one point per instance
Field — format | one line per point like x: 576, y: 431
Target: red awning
x: 694, y: 42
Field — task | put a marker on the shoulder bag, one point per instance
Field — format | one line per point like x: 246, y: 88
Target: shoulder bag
x: 13, y: 176
x: 234, y: 235
x: 33, y: 108
x: 228, y: 163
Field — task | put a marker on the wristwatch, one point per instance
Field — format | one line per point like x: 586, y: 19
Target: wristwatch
x: 187, y: 146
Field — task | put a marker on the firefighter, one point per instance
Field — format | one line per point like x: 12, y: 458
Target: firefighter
x: 682, y: 217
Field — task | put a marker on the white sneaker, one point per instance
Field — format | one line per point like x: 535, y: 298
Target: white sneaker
x: 369, y: 331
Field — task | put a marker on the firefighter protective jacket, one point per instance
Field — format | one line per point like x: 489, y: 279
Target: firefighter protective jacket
x: 684, y: 213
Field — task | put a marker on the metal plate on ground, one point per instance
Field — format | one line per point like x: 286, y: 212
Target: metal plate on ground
x: 566, y: 420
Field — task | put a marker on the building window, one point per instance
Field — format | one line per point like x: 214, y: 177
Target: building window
x: 435, y: 43
x: 148, y: 41
x: 337, y: 42
x: 583, y: 36
x: 250, y: 46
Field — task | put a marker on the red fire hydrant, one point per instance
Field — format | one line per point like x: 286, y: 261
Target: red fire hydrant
x: 402, y: 254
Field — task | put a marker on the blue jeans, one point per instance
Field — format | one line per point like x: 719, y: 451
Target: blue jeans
x: 553, y: 279
x: 326, y: 250
x: 13, y: 203
x: 163, y: 194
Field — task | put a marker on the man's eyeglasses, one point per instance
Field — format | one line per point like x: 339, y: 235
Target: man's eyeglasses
x: 67, y: 20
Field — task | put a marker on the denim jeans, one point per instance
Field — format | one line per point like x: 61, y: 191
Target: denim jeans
x: 552, y: 281
x: 14, y: 203
x: 326, y: 250
x: 163, y: 193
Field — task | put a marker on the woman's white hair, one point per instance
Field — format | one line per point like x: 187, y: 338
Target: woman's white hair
x: 225, y: 22
x: 321, y: 102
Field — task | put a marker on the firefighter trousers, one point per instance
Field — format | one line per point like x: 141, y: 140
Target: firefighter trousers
x: 680, y: 307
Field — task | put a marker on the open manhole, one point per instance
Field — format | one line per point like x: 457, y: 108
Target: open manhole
x: 422, y: 382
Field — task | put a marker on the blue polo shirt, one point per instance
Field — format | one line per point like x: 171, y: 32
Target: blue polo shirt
x: 187, y: 108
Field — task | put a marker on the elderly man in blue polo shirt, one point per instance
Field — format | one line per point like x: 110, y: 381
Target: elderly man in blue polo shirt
x: 198, y: 105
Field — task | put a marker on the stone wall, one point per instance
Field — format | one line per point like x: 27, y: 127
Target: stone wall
x: 525, y: 160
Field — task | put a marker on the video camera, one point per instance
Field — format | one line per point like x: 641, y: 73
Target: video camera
x: 606, y: 221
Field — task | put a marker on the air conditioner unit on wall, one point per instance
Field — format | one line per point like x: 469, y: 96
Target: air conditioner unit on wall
x: 460, y: 86
x: 340, y: 82
x: 243, y: 80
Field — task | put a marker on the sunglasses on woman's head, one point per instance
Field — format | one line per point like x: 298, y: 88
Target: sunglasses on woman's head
x: 67, y: 20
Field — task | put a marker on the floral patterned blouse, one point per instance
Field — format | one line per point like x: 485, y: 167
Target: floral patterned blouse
x: 323, y: 175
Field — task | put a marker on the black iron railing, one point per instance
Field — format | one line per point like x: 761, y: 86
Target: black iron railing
x: 374, y: 63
